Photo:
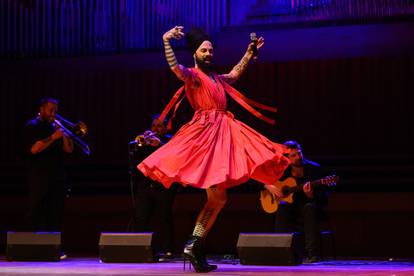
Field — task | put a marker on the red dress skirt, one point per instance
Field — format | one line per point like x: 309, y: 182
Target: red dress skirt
x: 214, y: 149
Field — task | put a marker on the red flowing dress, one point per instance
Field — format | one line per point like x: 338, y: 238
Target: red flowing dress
x: 215, y: 149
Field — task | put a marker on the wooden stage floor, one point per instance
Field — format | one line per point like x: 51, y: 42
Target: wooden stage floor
x: 92, y: 266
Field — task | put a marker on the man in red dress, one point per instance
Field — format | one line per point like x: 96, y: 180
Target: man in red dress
x: 213, y: 151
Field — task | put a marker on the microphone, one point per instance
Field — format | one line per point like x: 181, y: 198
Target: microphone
x: 253, y: 39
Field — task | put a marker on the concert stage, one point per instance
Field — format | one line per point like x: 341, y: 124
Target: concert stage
x: 92, y: 266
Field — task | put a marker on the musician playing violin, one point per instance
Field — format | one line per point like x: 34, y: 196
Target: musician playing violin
x: 45, y: 146
x: 306, y: 209
x: 152, y: 200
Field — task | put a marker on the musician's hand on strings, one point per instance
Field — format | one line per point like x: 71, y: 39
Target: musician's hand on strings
x: 307, y: 189
x: 276, y: 191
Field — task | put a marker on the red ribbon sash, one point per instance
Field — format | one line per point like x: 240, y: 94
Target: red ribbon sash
x: 236, y: 95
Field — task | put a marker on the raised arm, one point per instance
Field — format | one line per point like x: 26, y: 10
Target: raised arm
x: 179, y: 70
x: 240, y: 67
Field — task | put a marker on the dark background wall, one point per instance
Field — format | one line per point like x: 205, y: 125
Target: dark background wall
x: 344, y: 91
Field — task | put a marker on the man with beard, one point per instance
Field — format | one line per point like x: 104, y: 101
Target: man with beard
x: 213, y: 151
x: 303, y: 214
x: 45, y: 145
x: 152, y: 198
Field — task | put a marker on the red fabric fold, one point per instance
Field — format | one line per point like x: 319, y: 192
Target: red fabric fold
x: 236, y: 95
x: 170, y: 104
x: 246, y: 102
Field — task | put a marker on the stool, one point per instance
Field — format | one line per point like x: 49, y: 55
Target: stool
x: 327, y: 235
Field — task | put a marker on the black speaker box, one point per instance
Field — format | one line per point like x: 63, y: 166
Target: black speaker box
x: 270, y: 248
x: 33, y: 246
x: 126, y: 248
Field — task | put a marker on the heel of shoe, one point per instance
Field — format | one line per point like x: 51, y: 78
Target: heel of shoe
x: 185, y: 258
x: 193, y: 253
x: 197, y: 265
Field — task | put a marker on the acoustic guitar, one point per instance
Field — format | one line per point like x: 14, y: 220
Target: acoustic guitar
x: 270, y: 202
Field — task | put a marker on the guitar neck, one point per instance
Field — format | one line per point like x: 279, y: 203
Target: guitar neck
x: 299, y: 187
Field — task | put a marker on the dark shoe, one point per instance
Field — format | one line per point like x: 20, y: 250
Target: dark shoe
x: 311, y: 260
x: 167, y: 256
x: 193, y: 252
x: 212, y: 267
x: 204, y: 258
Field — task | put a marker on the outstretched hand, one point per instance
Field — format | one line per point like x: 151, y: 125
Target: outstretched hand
x: 259, y: 43
x: 176, y: 33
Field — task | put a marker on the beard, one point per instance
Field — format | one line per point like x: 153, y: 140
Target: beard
x: 47, y: 119
x: 206, y: 67
x: 298, y: 163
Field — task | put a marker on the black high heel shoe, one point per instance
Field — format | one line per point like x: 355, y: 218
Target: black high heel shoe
x: 203, y: 256
x: 192, y: 252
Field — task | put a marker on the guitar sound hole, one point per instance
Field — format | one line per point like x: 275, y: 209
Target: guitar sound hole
x: 285, y: 191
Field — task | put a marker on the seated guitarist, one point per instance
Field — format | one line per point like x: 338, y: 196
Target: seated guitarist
x: 303, y: 214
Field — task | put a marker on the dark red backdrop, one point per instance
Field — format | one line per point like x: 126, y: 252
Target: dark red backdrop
x: 355, y: 106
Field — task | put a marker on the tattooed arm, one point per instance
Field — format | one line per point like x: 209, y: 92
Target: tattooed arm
x: 237, y: 70
x: 179, y: 70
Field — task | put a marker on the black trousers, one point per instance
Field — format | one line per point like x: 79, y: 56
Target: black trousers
x: 300, y: 218
x: 156, y: 202
x: 46, y: 202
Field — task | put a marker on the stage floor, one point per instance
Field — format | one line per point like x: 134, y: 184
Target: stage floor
x: 93, y: 267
